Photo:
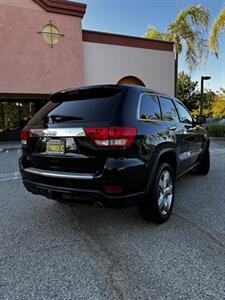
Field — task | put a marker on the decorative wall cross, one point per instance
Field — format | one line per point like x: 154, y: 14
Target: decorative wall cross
x: 51, y: 31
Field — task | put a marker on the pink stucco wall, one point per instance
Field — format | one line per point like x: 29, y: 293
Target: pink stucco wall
x: 27, y: 63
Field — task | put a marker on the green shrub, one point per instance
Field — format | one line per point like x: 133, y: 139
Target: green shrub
x: 217, y: 130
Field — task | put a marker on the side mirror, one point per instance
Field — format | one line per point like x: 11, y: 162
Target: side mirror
x: 200, y: 120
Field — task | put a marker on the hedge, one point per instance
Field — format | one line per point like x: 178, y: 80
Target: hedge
x: 217, y: 130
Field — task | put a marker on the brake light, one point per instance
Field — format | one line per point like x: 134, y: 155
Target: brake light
x: 112, y: 136
x: 98, y: 135
x: 24, y: 136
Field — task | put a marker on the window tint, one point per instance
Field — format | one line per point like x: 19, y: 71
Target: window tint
x: 90, y: 110
x: 169, y: 112
x: 82, y: 106
x: 185, y: 117
x: 149, y: 108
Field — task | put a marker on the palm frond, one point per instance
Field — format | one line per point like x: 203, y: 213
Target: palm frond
x: 202, y: 50
x: 188, y: 30
x: 191, y: 53
x: 196, y: 47
x: 153, y: 33
x: 191, y: 37
x: 217, y: 27
x: 168, y: 37
x: 198, y: 15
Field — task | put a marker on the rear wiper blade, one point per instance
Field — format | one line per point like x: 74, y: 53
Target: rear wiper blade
x: 61, y: 118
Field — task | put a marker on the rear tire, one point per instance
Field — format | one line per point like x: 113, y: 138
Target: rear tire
x: 204, y: 165
x: 158, y: 206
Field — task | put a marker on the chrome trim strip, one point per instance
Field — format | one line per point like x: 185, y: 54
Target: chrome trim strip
x: 58, y: 132
x: 56, y: 174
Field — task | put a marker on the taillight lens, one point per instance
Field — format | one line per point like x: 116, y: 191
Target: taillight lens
x: 98, y: 135
x: 121, y: 136
x: 112, y: 136
x: 24, y: 136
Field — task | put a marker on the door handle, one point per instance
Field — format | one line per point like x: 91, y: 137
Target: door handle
x: 172, y: 128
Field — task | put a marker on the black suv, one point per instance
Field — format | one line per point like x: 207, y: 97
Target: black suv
x: 117, y: 145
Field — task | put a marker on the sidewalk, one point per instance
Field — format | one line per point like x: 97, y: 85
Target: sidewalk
x: 9, y: 145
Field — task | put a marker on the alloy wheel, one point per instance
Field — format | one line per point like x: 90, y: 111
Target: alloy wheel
x: 165, y: 192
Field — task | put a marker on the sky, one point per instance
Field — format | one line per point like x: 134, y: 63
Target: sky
x: 133, y: 17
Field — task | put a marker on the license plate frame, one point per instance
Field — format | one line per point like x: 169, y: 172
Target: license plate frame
x: 56, y: 146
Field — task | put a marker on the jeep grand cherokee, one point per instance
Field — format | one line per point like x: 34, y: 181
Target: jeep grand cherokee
x: 118, y: 145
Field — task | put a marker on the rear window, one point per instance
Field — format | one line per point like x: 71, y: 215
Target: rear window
x: 149, y: 108
x: 92, y: 105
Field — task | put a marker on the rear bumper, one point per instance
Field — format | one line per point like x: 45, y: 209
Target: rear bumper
x: 82, y: 188
x: 85, y: 196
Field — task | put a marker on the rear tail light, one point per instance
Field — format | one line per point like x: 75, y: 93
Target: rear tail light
x: 24, y: 136
x: 112, y: 136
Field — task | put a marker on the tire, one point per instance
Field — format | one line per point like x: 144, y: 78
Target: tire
x: 204, y: 165
x: 157, y: 207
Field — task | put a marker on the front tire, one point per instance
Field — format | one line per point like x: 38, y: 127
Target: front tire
x: 159, y: 204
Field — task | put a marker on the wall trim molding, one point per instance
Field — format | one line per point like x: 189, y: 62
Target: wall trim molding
x: 21, y: 97
x: 63, y: 7
x: 125, y: 40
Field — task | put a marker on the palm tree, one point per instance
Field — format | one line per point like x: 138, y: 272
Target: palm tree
x: 217, y: 27
x: 186, y: 31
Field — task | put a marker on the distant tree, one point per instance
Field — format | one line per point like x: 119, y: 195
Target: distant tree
x: 209, y: 98
x: 218, y: 108
x: 217, y: 27
x: 187, y: 91
x: 189, y: 94
x: 208, y: 102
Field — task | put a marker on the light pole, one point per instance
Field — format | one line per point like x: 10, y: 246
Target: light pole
x: 202, y: 89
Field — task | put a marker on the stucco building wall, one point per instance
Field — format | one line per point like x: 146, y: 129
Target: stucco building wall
x: 27, y: 63
x: 104, y: 63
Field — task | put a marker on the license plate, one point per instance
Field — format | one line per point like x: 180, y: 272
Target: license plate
x: 55, y: 146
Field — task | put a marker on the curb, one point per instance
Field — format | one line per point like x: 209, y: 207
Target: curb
x: 9, y: 147
x: 217, y: 138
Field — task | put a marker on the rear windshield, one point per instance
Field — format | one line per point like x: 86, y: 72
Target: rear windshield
x: 84, y: 106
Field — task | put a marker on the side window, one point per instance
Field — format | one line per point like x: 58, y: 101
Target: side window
x: 149, y: 108
x: 169, y: 112
x: 185, y: 117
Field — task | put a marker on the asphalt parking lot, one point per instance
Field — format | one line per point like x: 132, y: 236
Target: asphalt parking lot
x: 55, y: 251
